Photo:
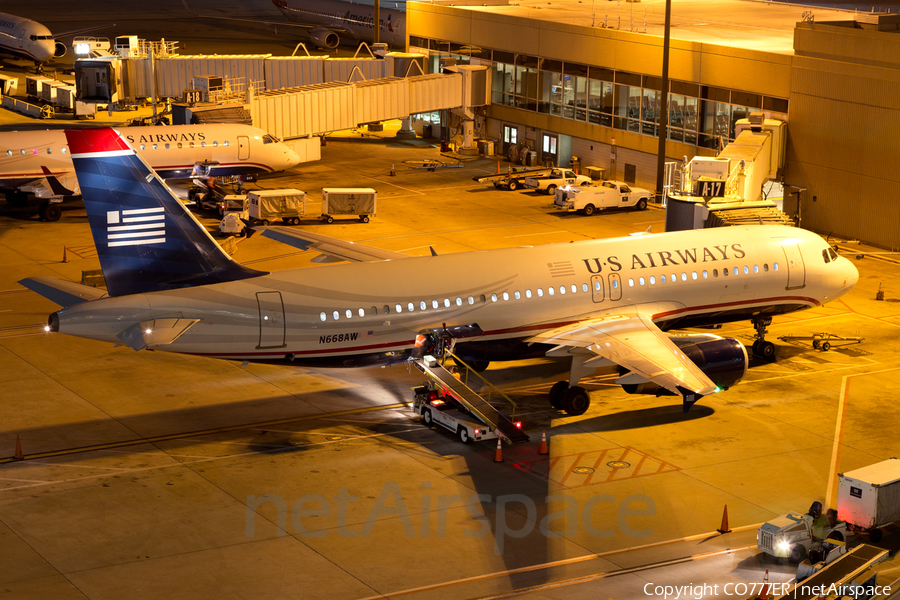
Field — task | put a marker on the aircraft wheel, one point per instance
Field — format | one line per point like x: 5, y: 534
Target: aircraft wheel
x: 875, y: 535
x: 364, y: 218
x: 464, y: 435
x: 588, y: 210
x: 556, y: 394
x: 576, y: 401
x: 479, y: 366
x: 642, y: 204
x: 513, y: 185
x: 426, y: 417
x: 798, y: 553
x: 826, y: 346
x: 765, y: 350
x: 551, y: 190
x: 815, y: 344
x: 329, y: 219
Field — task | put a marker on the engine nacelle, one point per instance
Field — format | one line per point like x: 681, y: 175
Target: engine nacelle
x: 60, y: 50
x: 723, y: 360
x: 324, y: 38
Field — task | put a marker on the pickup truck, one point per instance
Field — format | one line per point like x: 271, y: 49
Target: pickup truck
x: 609, y: 194
x: 556, y: 179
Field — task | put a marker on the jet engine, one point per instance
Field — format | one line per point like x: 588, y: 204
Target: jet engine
x: 724, y: 360
x: 60, y: 50
x: 324, y: 38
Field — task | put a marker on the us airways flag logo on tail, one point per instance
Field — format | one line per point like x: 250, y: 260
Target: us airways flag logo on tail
x: 146, y: 239
x: 135, y: 229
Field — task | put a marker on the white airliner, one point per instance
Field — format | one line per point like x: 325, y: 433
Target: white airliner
x: 39, y: 161
x: 29, y: 39
x: 601, y: 302
x: 328, y: 20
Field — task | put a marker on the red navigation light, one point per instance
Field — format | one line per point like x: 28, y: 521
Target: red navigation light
x: 518, y: 424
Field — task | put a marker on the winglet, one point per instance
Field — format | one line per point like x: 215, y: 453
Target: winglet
x: 57, y: 188
x: 689, y: 398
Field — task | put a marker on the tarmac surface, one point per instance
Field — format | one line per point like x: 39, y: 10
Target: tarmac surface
x: 148, y: 475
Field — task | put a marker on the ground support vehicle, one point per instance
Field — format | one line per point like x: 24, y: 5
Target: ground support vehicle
x: 288, y: 205
x: 556, y: 179
x: 794, y: 535
x: 513, y: 179
x: 823, y: 341
x: 869, y: 498
x: 358, y: 202
x: 591, y: 198
x: 438, y: 408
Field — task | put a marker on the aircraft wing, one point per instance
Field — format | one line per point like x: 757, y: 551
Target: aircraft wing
x: 333, y: 248
x: 630, y: 339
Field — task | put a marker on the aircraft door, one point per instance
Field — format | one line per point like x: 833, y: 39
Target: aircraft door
x: 271, y: 320
x: 615, y: 287
x: 597, y: 288
x: 795, y: 266
x: 243, y: 147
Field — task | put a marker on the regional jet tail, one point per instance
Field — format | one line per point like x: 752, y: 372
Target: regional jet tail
x: 597, y: 302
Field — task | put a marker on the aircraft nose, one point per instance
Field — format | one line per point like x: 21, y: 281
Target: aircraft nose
x: 851, y: 274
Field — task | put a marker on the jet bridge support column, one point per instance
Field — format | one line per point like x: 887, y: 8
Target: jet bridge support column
x: 406, y: 131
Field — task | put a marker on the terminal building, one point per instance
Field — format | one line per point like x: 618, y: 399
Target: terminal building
x: 573, y: 79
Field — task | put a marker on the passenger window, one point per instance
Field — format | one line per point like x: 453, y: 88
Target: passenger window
x: 735, y: 270
x: 756, y: 268
x: 422, y: 305
x: 725, y: 272
x: 683, y: 276
x: 615, y: 284
x: 528, y: 293
x: 215, y: 144
x: 551, y: 290
x: 167, y: 146
x: 662, y: 278
x: 459, y: 301
x: 362, y: 312
x: 493, y: 297
x: 180, y: 145
x: 447, y: 302
x: 398, y: 308
x: 410, y: 307
x: 715, y: 272
x: 203, y: 144
x: 483, y: 298
x: 775, y: 266
x: 434, y: 304
x: 518, y: 295
x: 584, y: 287
x: 225, y: 143
x: 143, y: 147
x: 34, y: 151
x: 694, y: 275
x: 322, y: 316
x: 191, y: 145
x: 652, y: 280
x: 387, y: 309
x: 705, y: 274
x: 765, y: 266
x: 9, y: 152
x: 505, y: 296
x: 471, y: 300
x: 562, y: 289
x: 336, y: 315
x: 574, y: 289
x: 49, y: 150
x: 631, y: 283
x: 674, y: 278
x: 155, y: 147
x: 349, y: 314
x: 746, y: 270
x: 540, y: 292
x: 63, y: 150
x: 641, y: 280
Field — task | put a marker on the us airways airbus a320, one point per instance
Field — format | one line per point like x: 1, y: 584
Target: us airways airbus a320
x: 600, y: 302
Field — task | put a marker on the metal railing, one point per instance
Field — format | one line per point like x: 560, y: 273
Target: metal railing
x: 492, y: 390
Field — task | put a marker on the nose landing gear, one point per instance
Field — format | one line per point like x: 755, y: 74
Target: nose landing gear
x: 760, y: 347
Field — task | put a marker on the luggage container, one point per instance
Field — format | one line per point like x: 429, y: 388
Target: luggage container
x: 268, y: 205
x: 9, y: 85
x: 34, y: 85
x: 359, y: 202
x: 869, y: 498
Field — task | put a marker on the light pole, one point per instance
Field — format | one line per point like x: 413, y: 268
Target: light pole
x: 664, y: 108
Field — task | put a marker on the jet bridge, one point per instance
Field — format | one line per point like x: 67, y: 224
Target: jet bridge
x: 506, y: 428
x: 727, y: 189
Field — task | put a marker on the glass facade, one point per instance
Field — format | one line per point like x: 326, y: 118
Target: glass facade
x: 698, y: 115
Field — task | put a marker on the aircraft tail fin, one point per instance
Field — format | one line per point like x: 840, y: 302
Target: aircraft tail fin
x: 146, y: 238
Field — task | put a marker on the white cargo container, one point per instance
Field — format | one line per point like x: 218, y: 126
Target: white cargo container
x: 869, y: 498
x: 9, y: 85
x: 348, y: 201
x: 268, y: 205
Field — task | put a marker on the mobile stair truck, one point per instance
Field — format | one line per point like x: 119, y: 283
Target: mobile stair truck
x: 359, y: 202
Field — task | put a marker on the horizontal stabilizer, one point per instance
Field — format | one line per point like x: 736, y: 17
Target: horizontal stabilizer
x: 64, y: 293
x: 329, y: 246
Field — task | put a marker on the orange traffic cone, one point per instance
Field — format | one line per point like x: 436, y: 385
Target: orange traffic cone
x: 18, y: 455
x: 65, y: 254
x: 498, y: 456
x: 498, y: 167
x: 765, y: 591
x: 393, y: 174
x: 880, y: 294
x: 724, y: 527
x: 543, y: 448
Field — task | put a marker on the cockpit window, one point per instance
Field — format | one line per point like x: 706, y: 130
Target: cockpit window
x: 826, y: 256
x: 268, y: 139
x: 834, y: 255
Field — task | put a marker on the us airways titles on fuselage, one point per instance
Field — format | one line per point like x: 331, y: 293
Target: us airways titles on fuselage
x: 166, y: 137
x: 667, y: 257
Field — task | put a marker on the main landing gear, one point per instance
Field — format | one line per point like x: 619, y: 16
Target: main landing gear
x: 574, y: 400
x: 760, y: 347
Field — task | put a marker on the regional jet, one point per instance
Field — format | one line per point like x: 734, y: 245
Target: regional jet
x: 29, y: 39
x: 599, y: 302
x: 39, y: 162
x: 328, y: 20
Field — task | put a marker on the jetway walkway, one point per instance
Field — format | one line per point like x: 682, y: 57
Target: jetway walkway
x: 506, y: 428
